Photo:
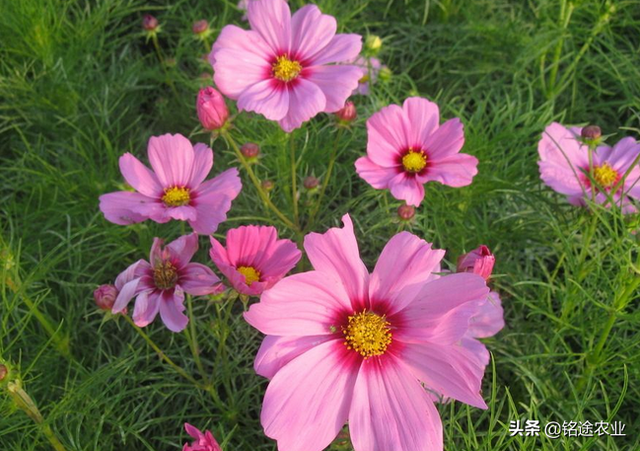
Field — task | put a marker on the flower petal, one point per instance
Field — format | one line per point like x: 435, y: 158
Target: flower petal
x: 488, y: 319
x: 407, y: 188
x: 202, y: 164
x: 306, y: 100
x: 171, y: 308
x: 140, y: 177
x: 272, y: 19
x: 342, y: 48
x: 275, y: 352
x: 391, y: 411
x: 267, y: 97
x: 386, y: 138
x: 422, y: 118
x: 376, y: 176
x: 213, y: 200
x: 311, y: 30
x: 336, y: 82
x: 336, y: 253
x: 455, y: 170
x: 134, y: 271
x: 126, y: 207
x: 307, y: 402
x: 198, y: 280
x: 172, y: 158
x: 183, y: 249
x: 146, y: 308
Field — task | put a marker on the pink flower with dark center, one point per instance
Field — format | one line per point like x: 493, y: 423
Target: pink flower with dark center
x: 201, y: 442
x: 254, y: 259
x: 407, y: 148
x: 175, y: 189
x: 479, y: 261
x: 343, y: 344
x: 283, y: 68
x: 159, y: 284
x: 564, y: 166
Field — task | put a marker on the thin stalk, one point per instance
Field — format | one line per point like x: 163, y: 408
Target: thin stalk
x: 178, y: 369
x: 326, y: 180
x: 192, y: 338
x: 565, y: 16
x: 23, y: 401
x: 263, y: 195
x: 294, y: 180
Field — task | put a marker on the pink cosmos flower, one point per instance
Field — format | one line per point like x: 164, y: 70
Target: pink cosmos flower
x: 407, y: 147
x: 564, y: 165
x: 175, y: 189
x: 255, y: 259
x: 282, y: 68
x: 343, y: 344
x: 202, y: 442
x: 243, y: 5
x: 159, y: 285
x: 370, y: 68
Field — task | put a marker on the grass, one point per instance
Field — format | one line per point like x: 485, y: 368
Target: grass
x: 79, y: 86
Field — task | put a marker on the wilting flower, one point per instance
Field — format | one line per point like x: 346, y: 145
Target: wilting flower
x: 201, y: 442
x: 175, y: 189
x: 371, y: 67
x: 343, y: 344
x: 254, y: 259
x: 105, y: 296
x: 159, y: 284
x: 564, y: 166
x: 479, y: 261
x: 281, y: 68
x: 212, y: 109
x: 407, y: 147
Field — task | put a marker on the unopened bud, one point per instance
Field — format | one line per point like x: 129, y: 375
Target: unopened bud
x: 591, y: 132
x: 479, y: 261
x: 200, y: 27
x: 347, y: 113
x: 268, y: 185
x: 105, y: 296
x: 250, y: 150
x: 310, y: 182
x: 385, y: 74
x: 212, y: 109
x: 149, y: 23
x: 373, y: 43
x: 3, y: 372
x: 406, y: 212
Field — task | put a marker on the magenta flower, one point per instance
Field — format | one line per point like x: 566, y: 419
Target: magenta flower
x: 564, y: 165
x: 343, y: 344
x: 159, y: 285
x: 407, y: 147
x: 201, y: 442
x: 479, y: 261
x: 175, y: 189
x: 212, y: 109
x: 370, y: 68
x: 255, y: 259
x: 282, y: 68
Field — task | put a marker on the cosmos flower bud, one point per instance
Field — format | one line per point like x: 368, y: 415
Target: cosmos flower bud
x: 591, y: 132
x: 105, y: 296
x: 310, y: 182
x: 347, y: 113
x: 3, y: 372
x: 250, y: 150
x: 200, y: 27
x: 212, y: 109
x: 373, y: 43
x: 149, y: 23
x: 385, y: 74
x: 267, y: 185
x: 406, y: 212
x: 479, y: 261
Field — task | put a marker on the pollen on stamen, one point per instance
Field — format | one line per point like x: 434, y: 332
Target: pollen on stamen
x: 250, y: 274
x: 176, y: 196
x: 165, y: 275
x: 605, y: 175
x: 414, y: 161
x: 367, y: 333
x: 285, y: 69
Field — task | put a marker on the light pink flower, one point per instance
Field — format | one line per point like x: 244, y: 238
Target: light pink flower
x: 159, y: 284
x: 202, y: 442
x: 564, y: 165
x: 343, y: 344
x: 407, y: 147
x: 282, y: 68
x: 370, y: 68
x: 479, y: 261
x: 175, y: 189
x: 254, y: 259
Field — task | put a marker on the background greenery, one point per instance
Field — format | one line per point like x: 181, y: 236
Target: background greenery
x: 79, y: 86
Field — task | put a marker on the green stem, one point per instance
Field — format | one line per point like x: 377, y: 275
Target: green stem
x: 23, y: 401
x: 565, y: 15
x: 192, y: 338
x: 162, y: 355
x: 326, y: 180
x: 263, y: 195
x: 294, y: 179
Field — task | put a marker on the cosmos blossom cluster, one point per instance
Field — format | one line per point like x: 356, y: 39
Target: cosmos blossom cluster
x: 342, y: 344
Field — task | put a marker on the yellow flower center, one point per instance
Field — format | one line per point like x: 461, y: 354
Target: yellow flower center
x: 367, y: 333
x: 250, y: 274
x: 285, y: 69
x: 414, y: 161
x: 176, y: 196
x: 364, y: 79
x: 605, y: 175
x: 165, y: 275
